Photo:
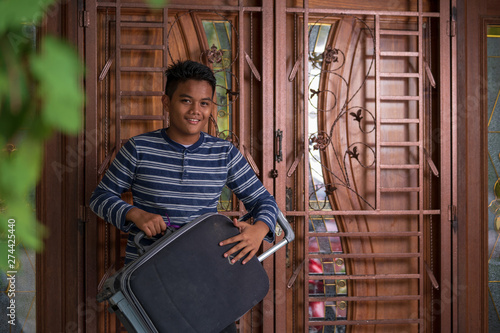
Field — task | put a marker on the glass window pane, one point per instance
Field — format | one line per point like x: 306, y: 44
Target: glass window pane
x: 493, y: 65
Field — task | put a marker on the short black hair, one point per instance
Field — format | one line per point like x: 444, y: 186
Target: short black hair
x: 181, y: 71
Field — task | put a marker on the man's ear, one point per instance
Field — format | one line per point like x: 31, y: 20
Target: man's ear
x: 165, y: 101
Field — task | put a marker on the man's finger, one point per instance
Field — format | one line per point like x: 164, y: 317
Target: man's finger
x: 147, y: 232
x: 231, y: 240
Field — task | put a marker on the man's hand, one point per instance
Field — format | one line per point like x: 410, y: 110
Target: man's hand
x: 151, y: 224
x: 250, y: 238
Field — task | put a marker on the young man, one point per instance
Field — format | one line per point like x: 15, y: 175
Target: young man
x: 178, y: 173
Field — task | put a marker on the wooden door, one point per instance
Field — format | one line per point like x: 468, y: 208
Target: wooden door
x: 341, y: 109
x: 365, y: 176
x: 129, y: 47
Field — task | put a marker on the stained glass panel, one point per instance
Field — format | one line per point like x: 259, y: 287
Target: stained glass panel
x: 219, y: 35
x: 493, y: 63
x: 322, y: 310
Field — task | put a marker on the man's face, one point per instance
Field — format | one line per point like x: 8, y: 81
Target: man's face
x: 189, y: 108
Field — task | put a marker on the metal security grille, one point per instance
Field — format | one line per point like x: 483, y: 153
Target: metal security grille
x: 366, y: 157
x: 344, y: 114
x: 129, y: 46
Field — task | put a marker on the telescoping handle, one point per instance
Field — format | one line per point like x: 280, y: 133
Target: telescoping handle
x: 289, y: 236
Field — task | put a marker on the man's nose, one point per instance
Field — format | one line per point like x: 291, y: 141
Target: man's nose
x: 195, y: 108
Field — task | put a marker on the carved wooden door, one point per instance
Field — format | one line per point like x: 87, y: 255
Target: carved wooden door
x: 343, y: 112
x: 365, y: 176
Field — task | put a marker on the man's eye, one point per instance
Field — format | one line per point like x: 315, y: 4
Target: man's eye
x: 185, y: 101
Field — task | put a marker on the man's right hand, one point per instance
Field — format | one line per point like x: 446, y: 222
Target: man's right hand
x: 151, y: 224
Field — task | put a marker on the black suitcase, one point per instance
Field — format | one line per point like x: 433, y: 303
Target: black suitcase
x: 183, y: 283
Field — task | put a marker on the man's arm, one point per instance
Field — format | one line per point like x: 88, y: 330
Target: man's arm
x: 106, y: 200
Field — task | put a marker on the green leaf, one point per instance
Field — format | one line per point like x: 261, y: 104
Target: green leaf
x: 58, y: 69
x: 496, y: 189
x: 157, y: 3
x: 19, y: 171
x: 27, y: 230
x: 15, y: 12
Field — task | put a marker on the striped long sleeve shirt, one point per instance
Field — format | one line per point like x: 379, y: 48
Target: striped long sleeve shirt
x: 168, y: 179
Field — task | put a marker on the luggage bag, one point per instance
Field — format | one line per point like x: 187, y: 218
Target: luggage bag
x: 183, y: 283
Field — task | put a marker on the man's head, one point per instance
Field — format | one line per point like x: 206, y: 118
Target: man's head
x: 182, y: 71
x: 188, y: 99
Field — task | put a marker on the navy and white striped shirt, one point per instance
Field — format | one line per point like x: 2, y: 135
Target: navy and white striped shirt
x: 167, y: 178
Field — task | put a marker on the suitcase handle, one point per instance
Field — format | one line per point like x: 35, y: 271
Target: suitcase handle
x: 137, y: 240
x: 289, y: 236
x: 140, y: 235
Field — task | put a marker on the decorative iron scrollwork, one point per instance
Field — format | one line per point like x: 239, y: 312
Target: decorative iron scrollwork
x: 319, y: 141
x: 214, y: 55
x: 330, y: 54
x: 323, y: 96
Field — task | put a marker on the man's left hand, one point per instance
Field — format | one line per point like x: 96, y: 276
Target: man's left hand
x: 249, y: 240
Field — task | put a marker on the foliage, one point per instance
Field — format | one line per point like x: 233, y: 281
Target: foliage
x: 157, y: 3
x: 39, y: 94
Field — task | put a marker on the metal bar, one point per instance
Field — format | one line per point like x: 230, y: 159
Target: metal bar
x: 118, y: 77
x: 241, y: 78
x: 399, y: 54
x: 400, y: 98
x: 378, y: 116
x: 165, y: 59
x: 399, y: 121
x: 141, y: 117
x: 400, y: 144
x: 364, y: 277
x: 183, y: 7
x: 305, y: 130
x: 360, y: 12
x: 141, y: 93
x: 267, y: 105
x: 400, y: 189
x: 399, y: 32
x: 367, y: 234
x: 400, y: 75
x: 365, y: 255
x: 132, y: 24
x: 365, y: 322
x: 365, y: 212
x: 366, y: 298
x: 142, y: 69
x: 400, y: 166
x: 141, y: 47
x: 421, y: 158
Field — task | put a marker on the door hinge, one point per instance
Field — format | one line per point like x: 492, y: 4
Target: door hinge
x: 278, y: 143
x: 451, y: 28
x: 82, y: 213
x: 452, y: 216
x: 84, y: 19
